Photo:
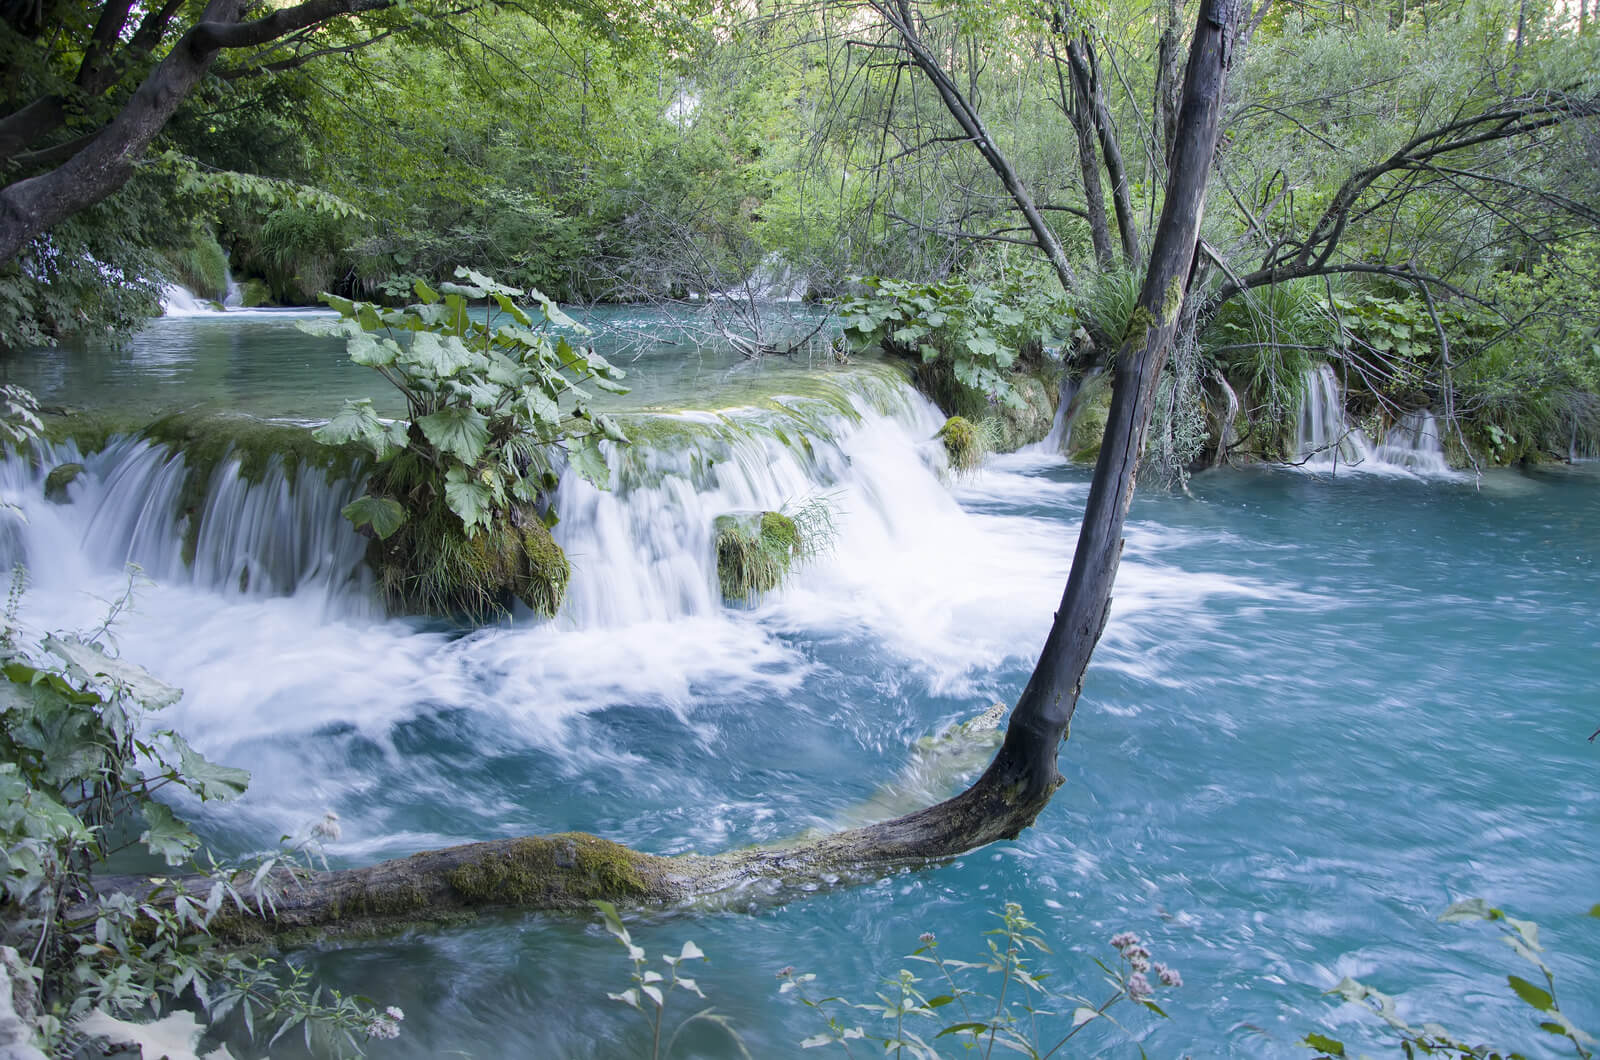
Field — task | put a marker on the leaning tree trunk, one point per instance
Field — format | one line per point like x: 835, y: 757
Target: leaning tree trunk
x: 568, y: 870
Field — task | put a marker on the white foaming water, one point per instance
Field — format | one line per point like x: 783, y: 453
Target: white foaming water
x: 274, y: 635
x: 179, y: 301
x: 1326, y: 441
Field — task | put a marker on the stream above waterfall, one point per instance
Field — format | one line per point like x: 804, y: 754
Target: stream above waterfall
x: 1324, y: 708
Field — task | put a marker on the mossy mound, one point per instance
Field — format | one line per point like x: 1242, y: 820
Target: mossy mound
x: 755, y: 553
x: 567, y: 870
x: 430, y: 566
x: 254, y: 293
x: 962, y: 444
x: 1086, y: 425
x: 60, y: 477
x: 200, y: 264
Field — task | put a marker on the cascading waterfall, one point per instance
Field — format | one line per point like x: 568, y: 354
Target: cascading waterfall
x: 1413, y: 443
x: 1325, y: 440
x: 277, y: 535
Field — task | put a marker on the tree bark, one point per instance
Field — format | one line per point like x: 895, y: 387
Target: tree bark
x: 567, y: 871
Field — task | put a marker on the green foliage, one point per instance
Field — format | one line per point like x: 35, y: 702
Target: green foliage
x: 1023, y: 1013
x: 80, y: 767
x: 962, y: 339
x: 966, y: 443
x: 1522, y: 936
x: 454, y: 500
x: 651, y: 989
x: 1267, y: 340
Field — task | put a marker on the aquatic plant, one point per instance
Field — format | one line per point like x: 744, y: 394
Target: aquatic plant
x: 756, y: 551
x: 1022, y: 1014
x: 495, y: 406
x: 650, y: 990
x: 1522, y: 936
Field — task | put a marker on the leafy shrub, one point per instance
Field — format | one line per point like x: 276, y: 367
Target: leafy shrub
x: 79, y: 772
x: 460, y: 489
x: 962, y: 339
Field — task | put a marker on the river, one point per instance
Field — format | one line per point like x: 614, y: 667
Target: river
x: 1326, y: 706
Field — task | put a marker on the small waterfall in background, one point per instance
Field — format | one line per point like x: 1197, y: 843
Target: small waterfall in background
x: 179, y: 301
x: 1325, y: 439
x: 1413, y: 443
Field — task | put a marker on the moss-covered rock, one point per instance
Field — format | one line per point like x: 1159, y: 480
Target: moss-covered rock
x: 963, y: 446
x: 60, y: 477
x: 755, y: 553
x: 1029, y: 422
x: 1086, y: 423
x: 254, y: 293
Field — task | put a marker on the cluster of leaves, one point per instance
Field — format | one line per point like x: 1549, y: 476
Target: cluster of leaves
x: 950, y: 325
x: 1014, y: 1016
x: 485, y: 399
x: 650, y: 990
x: 1432, y: 1039
x: 80, y: 769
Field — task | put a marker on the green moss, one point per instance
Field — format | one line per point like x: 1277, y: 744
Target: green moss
x: 1087, y: 426
x: 254, y: 293
x: 90, y: 430
x: 961, y: 444
x: 60, y: 477
x: 755, y: 553
x: 567, y: 870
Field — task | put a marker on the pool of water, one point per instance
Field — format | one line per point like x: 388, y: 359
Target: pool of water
x: 259, y: 362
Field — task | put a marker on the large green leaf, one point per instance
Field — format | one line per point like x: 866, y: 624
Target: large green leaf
x: 588, y: 461
x: 92, y: 663
x: 436, y: 355
x: 167, y: 836
x: 468, y: 498
x: 205, y: 778
x: 383, y: 514
x: 462, y: 433
x: 371, y: 351
x: 359, y: 422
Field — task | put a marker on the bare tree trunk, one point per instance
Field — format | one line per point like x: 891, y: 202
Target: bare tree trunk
x: 1079, y: 110
x: 566, y: 871
x: 1085, y: 64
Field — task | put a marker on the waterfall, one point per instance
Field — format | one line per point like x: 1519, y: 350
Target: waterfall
x: 177, y: 301
x: 1413, y: 443
x: 1325, y: 440
x: 276, y: 535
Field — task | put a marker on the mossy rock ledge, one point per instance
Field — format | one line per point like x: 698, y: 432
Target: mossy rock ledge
x: 755, y: 553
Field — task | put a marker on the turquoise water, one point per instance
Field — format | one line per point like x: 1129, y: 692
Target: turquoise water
x: 1323, y: 710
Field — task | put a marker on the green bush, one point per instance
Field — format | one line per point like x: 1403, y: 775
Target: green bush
x: 453, y: 501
